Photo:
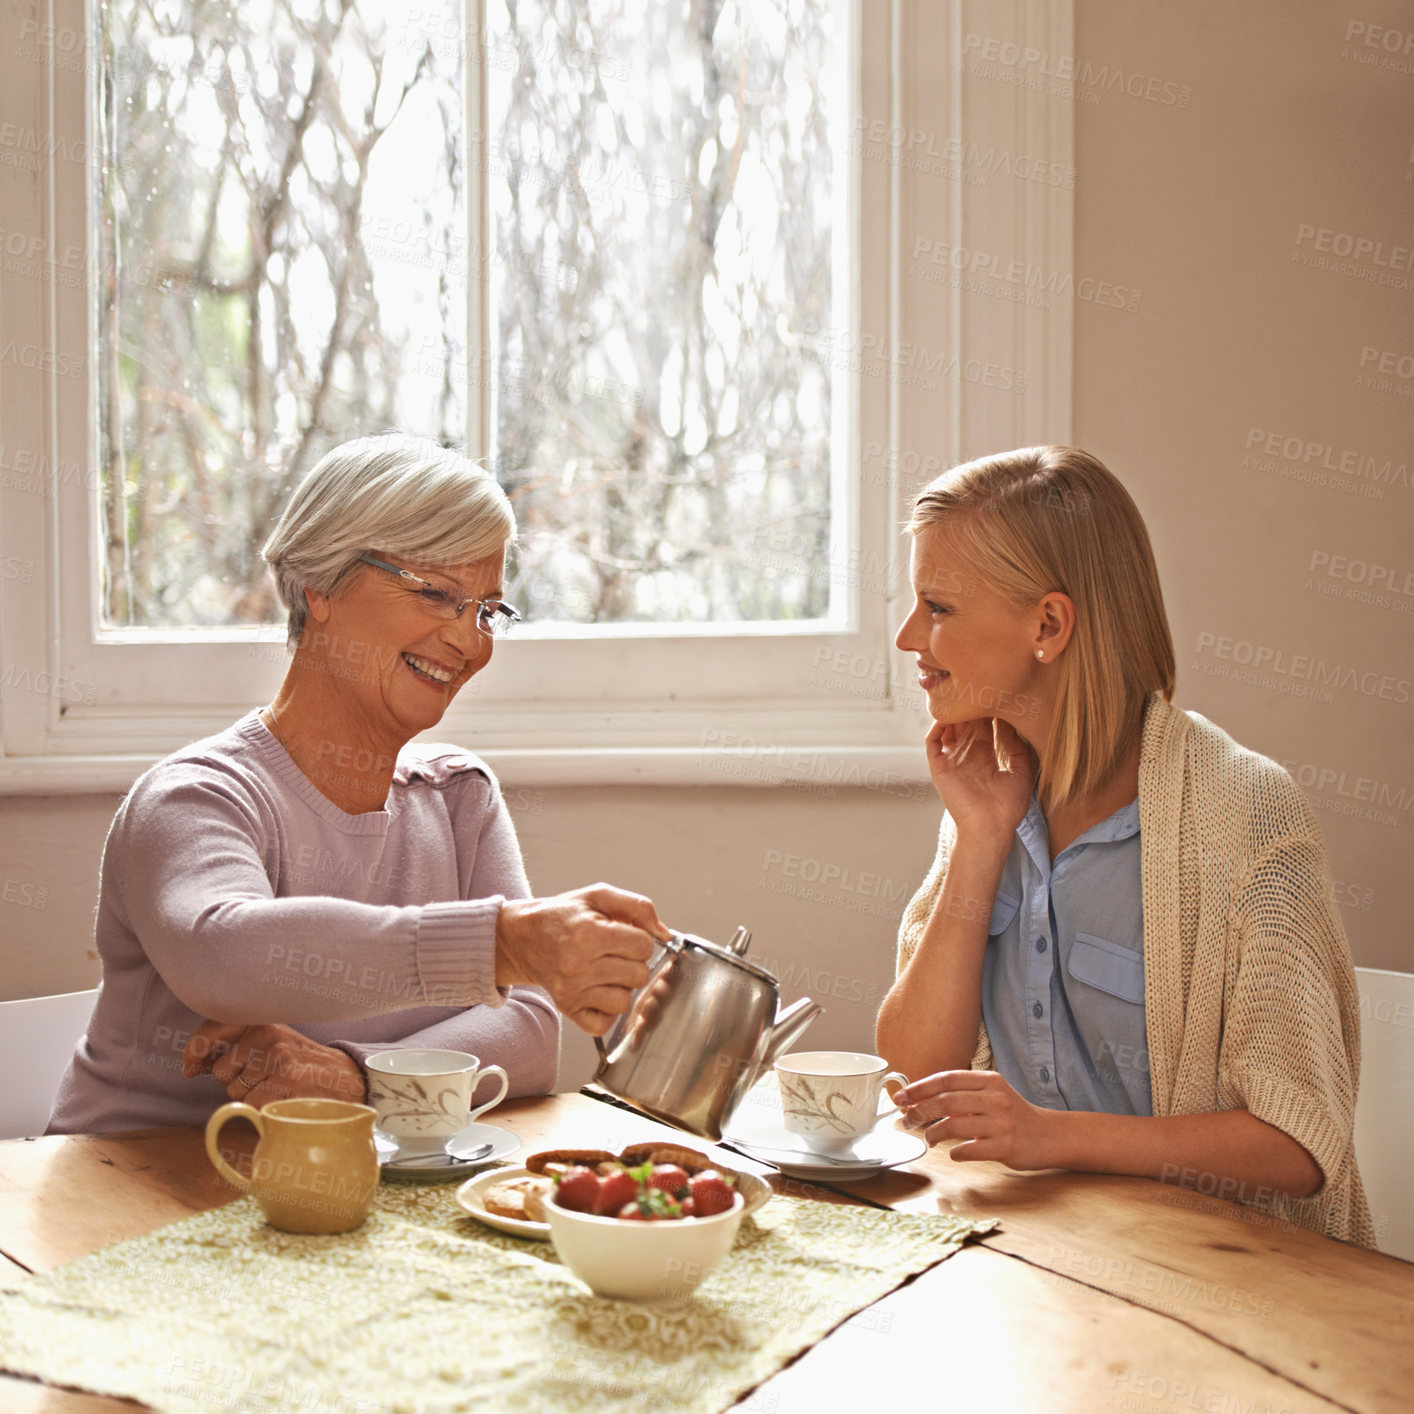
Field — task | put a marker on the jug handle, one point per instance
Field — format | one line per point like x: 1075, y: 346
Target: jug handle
x: 213, y: 1128
x: 673, y: 943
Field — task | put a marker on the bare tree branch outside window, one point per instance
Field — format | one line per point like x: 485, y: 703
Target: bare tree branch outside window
x: 286, y: 232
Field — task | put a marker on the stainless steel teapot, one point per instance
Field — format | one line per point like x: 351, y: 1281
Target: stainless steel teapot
x: 698, y: 1034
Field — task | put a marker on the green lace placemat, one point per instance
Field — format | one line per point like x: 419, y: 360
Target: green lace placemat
x: 423, y: 1310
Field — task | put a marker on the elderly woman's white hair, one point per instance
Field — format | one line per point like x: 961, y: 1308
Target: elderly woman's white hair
x: 395, y: 494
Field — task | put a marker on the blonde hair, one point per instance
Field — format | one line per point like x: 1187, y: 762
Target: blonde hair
x: 1045, y: 519
x: 401, y: 495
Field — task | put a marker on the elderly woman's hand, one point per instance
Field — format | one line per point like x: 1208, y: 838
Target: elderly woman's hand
x: 589, y: 949
x: 271, y: 1062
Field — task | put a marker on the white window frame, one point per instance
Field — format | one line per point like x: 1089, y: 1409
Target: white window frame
x: 86, y: 711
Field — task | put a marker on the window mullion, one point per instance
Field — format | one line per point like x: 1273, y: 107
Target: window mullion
x: 478, y: 225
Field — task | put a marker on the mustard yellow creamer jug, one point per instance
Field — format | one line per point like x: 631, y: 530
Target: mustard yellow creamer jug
x: 315, y: 1168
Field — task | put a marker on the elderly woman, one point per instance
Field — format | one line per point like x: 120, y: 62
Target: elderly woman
x: 309, y: 886
x: 1126, y: 958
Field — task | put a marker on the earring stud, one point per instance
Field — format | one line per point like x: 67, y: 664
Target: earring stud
x: 1040, y: 653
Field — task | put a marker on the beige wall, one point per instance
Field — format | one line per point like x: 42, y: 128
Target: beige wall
x: 50, y: 847
x: 1198, y: 208
x: 821, y: 879
x: 1203, y: 210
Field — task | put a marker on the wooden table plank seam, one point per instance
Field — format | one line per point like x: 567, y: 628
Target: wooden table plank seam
x: 1169, y: 1315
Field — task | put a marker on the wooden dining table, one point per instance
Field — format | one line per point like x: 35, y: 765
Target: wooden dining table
x: 1095, y: 1293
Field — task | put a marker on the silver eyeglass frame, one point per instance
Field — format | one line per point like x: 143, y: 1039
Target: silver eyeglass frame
x: 495, y: 621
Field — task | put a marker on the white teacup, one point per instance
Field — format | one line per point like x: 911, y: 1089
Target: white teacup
x: 831, y: 1098
x: 423, y: 1097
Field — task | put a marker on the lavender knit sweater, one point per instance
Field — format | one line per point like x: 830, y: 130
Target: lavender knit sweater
x: 233, y: 890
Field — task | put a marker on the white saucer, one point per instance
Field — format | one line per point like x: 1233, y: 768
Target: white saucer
x: 868, y: 1156
x: 397, y: 1161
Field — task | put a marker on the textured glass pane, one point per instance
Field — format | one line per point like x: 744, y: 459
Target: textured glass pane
x: 285, y: 230
x: 662, y: 199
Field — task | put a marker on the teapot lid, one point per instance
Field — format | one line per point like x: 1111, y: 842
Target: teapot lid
x: 718, y: 953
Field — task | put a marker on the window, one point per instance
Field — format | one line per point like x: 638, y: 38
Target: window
x: 284, y: 210
x: 710, y: 443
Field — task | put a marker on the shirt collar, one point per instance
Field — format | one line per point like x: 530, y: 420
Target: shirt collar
x: 1035, y: 838
x: 1119, y: 826
x: 1033, y: 834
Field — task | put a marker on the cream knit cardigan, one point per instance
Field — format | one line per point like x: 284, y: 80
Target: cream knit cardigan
x: 1249, y: 994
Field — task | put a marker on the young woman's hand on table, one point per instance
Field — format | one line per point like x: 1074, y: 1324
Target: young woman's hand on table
x: 980, y: 1109
x: 270, y: 1061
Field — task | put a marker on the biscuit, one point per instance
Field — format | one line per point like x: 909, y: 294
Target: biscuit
x: 661, y: 1151
x: 553, y: 1161
x: 522, y: 1198
x: 657, y: 1151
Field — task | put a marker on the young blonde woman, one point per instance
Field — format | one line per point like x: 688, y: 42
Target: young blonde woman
x: 1125, y: 958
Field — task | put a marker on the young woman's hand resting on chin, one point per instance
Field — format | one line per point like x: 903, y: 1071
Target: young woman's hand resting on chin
x: 982, y: 799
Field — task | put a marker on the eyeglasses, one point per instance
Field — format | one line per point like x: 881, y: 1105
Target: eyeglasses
x: 444, y: 598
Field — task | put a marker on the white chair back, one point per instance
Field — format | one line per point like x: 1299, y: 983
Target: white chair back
x: 37, y: 1038
x: 1384, y: 1111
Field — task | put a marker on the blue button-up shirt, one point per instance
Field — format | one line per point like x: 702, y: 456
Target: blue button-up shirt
x: 1063, y: 975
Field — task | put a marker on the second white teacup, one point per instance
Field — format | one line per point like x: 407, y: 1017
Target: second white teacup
x: 831, y: 1098
x: 424, y: 1097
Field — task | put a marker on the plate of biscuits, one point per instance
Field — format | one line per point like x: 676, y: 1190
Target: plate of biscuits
x: 510, y: 1199
x: 513, y: 1199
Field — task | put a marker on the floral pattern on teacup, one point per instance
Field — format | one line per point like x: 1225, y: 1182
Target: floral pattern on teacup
x: 417, y: 1105
x: 833, y: 1110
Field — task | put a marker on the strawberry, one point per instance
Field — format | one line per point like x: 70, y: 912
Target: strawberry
x: 711, y: 1193
x: 652, y: 1205
x: 669, y: 1177
x: 614, y: 1191
x: 577, y: 1190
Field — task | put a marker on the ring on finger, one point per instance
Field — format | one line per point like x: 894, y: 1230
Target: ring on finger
x: 246, y: 1085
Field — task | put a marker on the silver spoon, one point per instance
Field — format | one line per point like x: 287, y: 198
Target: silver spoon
x: 468, y: 1156
x: 808, y: 1156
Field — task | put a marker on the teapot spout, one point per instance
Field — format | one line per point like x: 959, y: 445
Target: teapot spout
x: 790, y: 1023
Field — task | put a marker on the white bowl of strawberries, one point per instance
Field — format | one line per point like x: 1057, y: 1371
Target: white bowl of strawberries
x: 648, y: 1233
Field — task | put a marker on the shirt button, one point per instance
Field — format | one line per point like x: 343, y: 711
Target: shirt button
x: 1036, y: 1010
x: 1045, y: 1076
x: 1040, y: 945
